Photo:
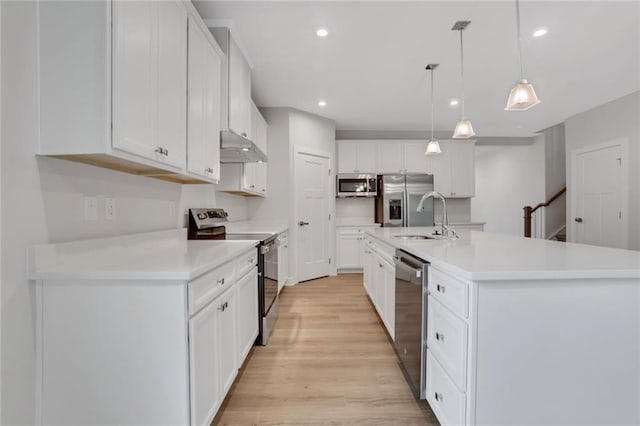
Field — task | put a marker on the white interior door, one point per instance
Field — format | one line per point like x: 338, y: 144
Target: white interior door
x: 600, y: 200
x: 312, y: 199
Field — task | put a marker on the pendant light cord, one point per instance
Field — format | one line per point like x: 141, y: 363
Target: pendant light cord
x: 519, y: 38
x: 462, y: 71
x: 432, y: 104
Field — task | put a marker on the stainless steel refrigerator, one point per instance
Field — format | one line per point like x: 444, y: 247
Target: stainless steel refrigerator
x: 398, y: 197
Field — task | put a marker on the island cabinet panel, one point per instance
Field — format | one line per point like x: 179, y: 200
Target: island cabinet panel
x: 446, y: 400
x: 379, y: 280
x: 557, y: 352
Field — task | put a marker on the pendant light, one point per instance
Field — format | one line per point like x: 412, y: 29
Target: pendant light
x: 522, y: 96
x: 464, y: 129
x: 433, y: 148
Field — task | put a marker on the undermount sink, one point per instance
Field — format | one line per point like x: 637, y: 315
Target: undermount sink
x: 417, y: 237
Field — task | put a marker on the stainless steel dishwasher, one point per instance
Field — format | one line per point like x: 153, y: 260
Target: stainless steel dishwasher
x: 411, y: 319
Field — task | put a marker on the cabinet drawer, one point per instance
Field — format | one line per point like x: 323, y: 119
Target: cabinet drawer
x: 203, y: 289
x: 446, y: 401
x: 246, y: 261
x: 447, y: 340
x: 450, y: 291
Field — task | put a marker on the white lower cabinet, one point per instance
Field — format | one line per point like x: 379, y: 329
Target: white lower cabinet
x: 350, y: 247
x: 248, y: 316
x: 283, y: 260
x: 204, y: 376
x: 447, y: 402
x: 147, y: 351
x: 380, y: 280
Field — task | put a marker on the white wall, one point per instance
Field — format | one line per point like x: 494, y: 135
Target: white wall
x: 42, y: 201
x: 507, y: 179
x: 355, y: 208
x: 555, y: 178
x: 276, y: 205
x: 617, y: 119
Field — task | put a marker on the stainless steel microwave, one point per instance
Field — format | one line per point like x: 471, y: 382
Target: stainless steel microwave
x: 356, y: 185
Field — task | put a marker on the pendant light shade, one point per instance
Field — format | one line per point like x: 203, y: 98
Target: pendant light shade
x: 522, y: 96
x: 464, y: 129
x: 433, y: 148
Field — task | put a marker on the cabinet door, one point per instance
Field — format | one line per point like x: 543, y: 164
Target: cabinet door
x: 227, y: 344
x: 248, y: 316
x: 390, y: 299
x: 261, y: 179
x: 283, y: 264
x: 135, y: 78
x: 463, y: 170
x: 172, y: 81
x: 250, y: 177
x: 390, y: 157
x: 239, y: 91
x: 367, y: 157
x: 415, y: 161
x: 204, y: 106
x: 347, y: 157
x: 203, y: 368
x: 348, y: 250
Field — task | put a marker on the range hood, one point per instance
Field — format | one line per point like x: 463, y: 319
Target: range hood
x: 238, y: 149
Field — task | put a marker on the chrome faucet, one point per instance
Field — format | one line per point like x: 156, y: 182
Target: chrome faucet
x: 445, y: 218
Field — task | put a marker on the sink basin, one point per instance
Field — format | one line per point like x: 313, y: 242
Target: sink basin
x: 417, y: 237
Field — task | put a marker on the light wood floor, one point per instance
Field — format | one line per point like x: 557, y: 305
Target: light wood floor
x: 328, y: 362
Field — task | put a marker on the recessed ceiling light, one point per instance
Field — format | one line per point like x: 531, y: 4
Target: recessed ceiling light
x: 540, y: 32
x: 454, y: 102
x: 322, y: 32
x: 322, y: 103
x: 245, y: 149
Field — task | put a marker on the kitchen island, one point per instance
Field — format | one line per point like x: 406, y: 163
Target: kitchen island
x: 524, y: 331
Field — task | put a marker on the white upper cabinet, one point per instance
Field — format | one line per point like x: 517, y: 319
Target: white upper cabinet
x: 390, y: 157
x: 150, y: 80
x: 357, y: 157
x: 135, y: 78
x: 454, y: 169
x: 113, y: 87
x: 236, y: 86
x: 414, y: 159
x: 203, y: 156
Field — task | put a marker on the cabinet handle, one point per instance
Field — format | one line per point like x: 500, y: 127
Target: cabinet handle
x: 243, y: 134
x: 438, y: 397
x: 208, y: 170
x: 221, y: 307
x: 253, y: 186
x: 250, y: 260
x: 159, y: 150
x: 440, y: 288
x: 221, y: 281
x: 264, y: 190
x: 440, y: 337
x: 286, y: 247
x: 380, y: 264
x: 356, y: 171
x: 166, y: 152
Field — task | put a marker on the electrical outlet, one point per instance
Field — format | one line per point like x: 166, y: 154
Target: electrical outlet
x: 110, y: 208
x: 90, y: 208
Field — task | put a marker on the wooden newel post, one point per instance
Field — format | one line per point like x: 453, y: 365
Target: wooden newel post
x: 527, y: 221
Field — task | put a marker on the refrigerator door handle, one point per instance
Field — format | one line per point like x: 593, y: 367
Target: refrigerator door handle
x: 407, y: 213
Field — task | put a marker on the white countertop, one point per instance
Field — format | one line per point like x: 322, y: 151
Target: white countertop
x: 256, y: 227
x: 163, y: 255
x: 486, y: 256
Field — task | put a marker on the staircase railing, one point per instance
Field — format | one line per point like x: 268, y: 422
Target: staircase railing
x: 529, y: 212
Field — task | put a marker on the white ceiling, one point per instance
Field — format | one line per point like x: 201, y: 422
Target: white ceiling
x: 370, y: 69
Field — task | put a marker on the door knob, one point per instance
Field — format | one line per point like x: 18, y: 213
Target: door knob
x: 578, y: 219
x: 303, y: 223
